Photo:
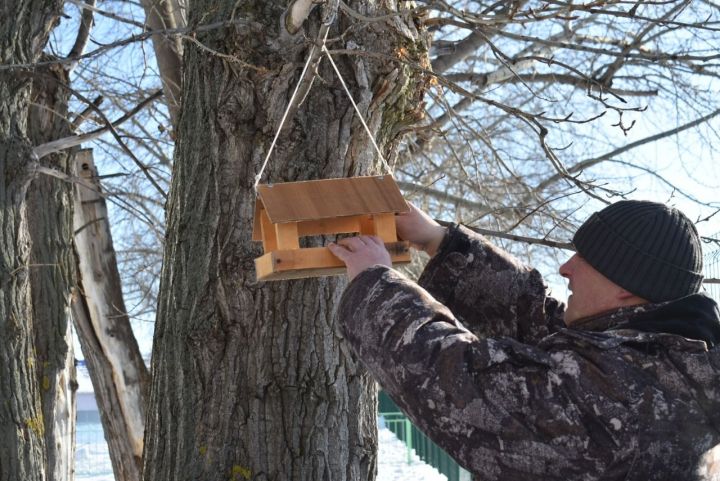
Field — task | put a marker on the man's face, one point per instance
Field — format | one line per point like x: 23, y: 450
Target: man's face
x: 592, y: 292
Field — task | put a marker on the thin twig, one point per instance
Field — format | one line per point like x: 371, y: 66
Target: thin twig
x: 66, y: 142
x: 90, y: 7
x: 37, y: 168
x: 590, y: 162
x: 141, y: 37
x: 514, y: 237
x: 83, y: 116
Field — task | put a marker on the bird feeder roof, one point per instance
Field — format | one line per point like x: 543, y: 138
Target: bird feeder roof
x: 328, y: 198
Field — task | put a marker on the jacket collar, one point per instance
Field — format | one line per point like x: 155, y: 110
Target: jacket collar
x: 694, y: 317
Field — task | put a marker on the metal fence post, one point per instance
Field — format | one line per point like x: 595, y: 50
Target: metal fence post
x: 408, y: 440
x: 712, y: 271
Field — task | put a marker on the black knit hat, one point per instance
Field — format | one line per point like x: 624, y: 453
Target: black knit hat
x: 649, y: 249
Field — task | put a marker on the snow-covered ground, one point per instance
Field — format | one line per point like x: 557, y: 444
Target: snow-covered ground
x: 93, y: 461
x: 393, y: 462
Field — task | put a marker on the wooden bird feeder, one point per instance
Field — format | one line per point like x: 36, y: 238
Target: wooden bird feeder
x: 285, y: 212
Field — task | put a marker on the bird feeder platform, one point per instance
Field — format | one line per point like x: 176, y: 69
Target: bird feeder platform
x: 285, y: 212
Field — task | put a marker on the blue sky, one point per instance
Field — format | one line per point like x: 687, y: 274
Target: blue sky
x: 687, y: 160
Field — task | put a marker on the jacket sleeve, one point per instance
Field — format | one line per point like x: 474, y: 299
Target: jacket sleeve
x: 488, y: 290
x: 498, y: 406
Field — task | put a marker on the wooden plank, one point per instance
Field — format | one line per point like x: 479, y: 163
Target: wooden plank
x: 314, y: 262
x: 308, y: 258
x: 257, y: 224
x: 336, y: 225
x: 267, y: 229
x: 328, y: 198
x: 287, y: 236
x: 385, y: 227
x: 303, y: 274
x: 265, y: 266
x: 367, y: 225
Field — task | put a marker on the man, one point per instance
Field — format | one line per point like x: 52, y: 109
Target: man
x: 627, y: 388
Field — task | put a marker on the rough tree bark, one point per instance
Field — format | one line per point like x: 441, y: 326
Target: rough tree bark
x: 49, y: 216
x: 252, y: 381
x: 118, y: 373
x: 23, y: 33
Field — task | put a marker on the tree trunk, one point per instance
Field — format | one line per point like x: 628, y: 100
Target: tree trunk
x: 49, y: 202
x: 252, y: 381
x: 119, y: 376
x: 22, y: 442
x: 23, y: 33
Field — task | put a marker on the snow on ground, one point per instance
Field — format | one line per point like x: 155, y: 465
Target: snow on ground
x: 93, y: 461
x: 393, y: 461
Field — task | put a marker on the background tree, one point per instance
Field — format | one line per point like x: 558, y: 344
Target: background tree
x: 119, y: 376
x: 33, y: 339
x: 52, y: 271
x: 70, y: 232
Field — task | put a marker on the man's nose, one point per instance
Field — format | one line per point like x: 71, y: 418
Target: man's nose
x: 565, y: 268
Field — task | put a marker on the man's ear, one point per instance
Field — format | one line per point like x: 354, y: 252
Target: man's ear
x: 624, y: 295
x: 629, y: 298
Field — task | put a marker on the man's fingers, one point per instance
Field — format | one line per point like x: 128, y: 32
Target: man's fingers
x: 353, y: 243
x: 360, y: 253
x: 368, y: 239
x: 376, y: 240
x: 340, y: 252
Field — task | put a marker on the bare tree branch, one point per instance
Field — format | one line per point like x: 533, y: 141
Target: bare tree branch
x: 127, y: 41
x: 86, y: 6
x: 580, y: 166
x: 168, y: 52
x: 86, y: 24
x: 410, y: 190
x: 83, y: 116
x: 513, y: 237
x: 41, y: 151
x: 296, y: 14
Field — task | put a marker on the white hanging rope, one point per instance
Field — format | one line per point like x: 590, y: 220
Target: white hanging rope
x: 347, y: 91
x: 292, y: 101
x: 284, y: 117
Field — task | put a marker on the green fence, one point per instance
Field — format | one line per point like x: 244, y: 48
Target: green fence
x: 712, y: 270
x: 415, y: 440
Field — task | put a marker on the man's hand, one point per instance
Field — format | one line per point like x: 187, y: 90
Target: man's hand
x: 360, y: 253
x: 420, y: 230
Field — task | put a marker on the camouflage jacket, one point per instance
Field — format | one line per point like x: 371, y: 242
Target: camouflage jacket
x: 480, y: 360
